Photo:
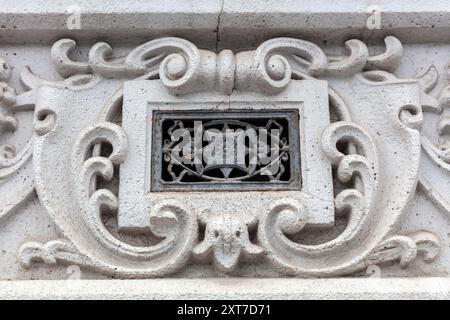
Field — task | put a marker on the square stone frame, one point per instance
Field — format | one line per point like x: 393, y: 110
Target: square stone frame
x: 141, y: 98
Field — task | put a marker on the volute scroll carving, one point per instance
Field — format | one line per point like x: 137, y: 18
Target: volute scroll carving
x: 347, y: 123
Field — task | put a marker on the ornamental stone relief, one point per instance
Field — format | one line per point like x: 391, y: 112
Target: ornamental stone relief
x: 167, y: 159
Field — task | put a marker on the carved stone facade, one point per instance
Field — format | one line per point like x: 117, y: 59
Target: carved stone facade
x: 94, y: 175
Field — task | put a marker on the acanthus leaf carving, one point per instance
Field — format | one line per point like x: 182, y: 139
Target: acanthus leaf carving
x: 405, y: 249
x: 437, y: 153
x: 53, y: 252
x: 12, y: 159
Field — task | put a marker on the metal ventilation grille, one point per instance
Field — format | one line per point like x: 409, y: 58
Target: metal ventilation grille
x: 239, y: 149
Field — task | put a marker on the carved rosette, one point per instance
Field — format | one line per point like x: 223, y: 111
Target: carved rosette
x: 369, y: 141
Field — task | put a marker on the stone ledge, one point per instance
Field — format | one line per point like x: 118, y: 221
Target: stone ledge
x: 230, y: 288
x: 43, y: 22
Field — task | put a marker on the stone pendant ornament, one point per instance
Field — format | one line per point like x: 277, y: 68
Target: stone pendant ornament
x: 146, y: 147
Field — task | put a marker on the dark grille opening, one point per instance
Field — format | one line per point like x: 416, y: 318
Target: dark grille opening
x: 233, y: 150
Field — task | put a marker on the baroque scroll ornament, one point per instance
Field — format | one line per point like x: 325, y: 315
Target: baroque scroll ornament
x: 97, y: 155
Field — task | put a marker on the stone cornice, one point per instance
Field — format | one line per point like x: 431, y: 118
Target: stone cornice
x: 43, y: 21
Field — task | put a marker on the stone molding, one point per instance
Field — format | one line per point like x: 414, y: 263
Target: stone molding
x: 238, y: 288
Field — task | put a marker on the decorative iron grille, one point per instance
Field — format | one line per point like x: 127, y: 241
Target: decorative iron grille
x: 239, y: 149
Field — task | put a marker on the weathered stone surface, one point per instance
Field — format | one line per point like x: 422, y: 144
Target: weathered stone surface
x: 225, y: 140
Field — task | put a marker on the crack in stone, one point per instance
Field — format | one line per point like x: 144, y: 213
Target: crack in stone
x: 218, y: 24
